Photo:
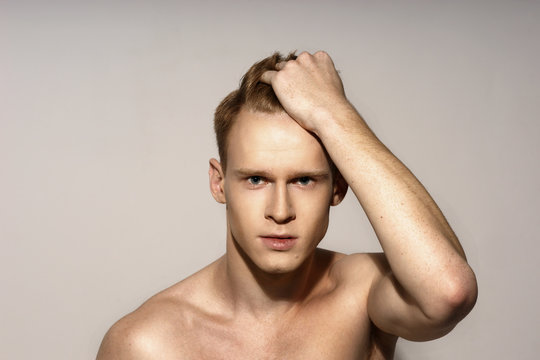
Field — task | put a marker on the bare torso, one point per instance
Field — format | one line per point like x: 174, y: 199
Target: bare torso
x: 192, y: 321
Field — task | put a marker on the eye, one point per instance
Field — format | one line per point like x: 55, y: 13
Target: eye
x: 255, y: 180
x: 304, y: 180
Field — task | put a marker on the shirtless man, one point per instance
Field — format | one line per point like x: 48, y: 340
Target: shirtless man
x: 274, y: 295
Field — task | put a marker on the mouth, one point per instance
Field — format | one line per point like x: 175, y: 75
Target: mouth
x: 279, y: 242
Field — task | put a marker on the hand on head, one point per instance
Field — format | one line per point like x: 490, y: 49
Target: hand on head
x: 309, y: 88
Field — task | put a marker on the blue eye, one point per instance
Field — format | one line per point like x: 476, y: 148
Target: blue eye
x: 304, y: 180
x: 255, y: 180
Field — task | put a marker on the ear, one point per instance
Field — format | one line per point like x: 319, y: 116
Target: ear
x: 217, y: 181
x: 340, y: 189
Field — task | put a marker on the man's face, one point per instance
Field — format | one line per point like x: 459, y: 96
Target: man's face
x: 278, y: 188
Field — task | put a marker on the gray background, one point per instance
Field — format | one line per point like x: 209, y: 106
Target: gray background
x: 105, y: 136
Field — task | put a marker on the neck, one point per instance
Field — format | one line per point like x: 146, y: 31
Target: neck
x: 262, y: 294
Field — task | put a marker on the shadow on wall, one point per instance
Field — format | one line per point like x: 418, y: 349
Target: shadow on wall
x: 398, y: 355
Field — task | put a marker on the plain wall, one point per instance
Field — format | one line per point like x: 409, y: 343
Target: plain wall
x: 106, y: 130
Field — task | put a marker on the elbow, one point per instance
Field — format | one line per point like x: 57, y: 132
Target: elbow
x: 456, y: 299
x: 462, y: 298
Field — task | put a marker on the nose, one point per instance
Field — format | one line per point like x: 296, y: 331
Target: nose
x: 280, y: 208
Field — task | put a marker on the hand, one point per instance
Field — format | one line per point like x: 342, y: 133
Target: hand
x: 309, y: 88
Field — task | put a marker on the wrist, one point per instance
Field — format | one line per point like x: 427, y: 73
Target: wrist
x: 341, y: 116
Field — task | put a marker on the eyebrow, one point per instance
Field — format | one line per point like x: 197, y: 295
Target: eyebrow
x: 314, y: 173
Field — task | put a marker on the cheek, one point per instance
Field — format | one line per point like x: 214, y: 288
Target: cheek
x: 318, y: 199
x: 314, y: 208
x: 241, y: 198
x: 244, y: 207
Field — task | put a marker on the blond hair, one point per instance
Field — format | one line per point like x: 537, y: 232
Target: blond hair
x: 252, y: 95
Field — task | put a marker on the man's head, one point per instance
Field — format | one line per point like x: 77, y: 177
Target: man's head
x: 279, y: 183
x: 252, y: 95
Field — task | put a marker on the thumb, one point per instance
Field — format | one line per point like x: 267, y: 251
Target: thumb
x: 268, y: 76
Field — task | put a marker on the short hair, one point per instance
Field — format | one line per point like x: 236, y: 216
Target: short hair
x: 252, y: 95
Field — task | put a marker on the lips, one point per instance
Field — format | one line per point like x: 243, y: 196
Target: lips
x: 279, y: 242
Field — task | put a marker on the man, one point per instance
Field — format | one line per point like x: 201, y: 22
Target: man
x: 290, y: 143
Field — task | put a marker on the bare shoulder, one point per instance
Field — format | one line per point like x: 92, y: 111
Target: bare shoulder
x: 159, y: 328
x: 360, y: 269
x: 138, y: 335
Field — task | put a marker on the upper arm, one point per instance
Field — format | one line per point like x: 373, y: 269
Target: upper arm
x: 394, y: 311
x: 389, y: 307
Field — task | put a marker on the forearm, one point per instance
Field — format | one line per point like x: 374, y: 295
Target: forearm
x: 423, y: 252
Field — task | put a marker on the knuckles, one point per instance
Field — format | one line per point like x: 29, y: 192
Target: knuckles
x: 321, y: 55
x: 303, y: 56
x: 320, y: 59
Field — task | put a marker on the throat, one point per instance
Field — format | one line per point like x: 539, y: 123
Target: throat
x: 251, y: 290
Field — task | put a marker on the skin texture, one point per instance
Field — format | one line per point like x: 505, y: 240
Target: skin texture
x: 266, y: 300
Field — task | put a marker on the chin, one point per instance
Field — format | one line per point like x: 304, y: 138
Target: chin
x: 279, y: 270
x: 281, y: 264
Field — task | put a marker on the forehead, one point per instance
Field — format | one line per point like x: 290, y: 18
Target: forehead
x: 273, y: 142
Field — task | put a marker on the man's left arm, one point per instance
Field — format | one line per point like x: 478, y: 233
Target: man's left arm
x: 430, y: 286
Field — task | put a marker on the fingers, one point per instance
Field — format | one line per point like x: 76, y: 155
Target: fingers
x: 305, y: 58
x: 280, y: 65
x: 267, y: 76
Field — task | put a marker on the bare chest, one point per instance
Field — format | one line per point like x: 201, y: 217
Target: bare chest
x: 322, y: 335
